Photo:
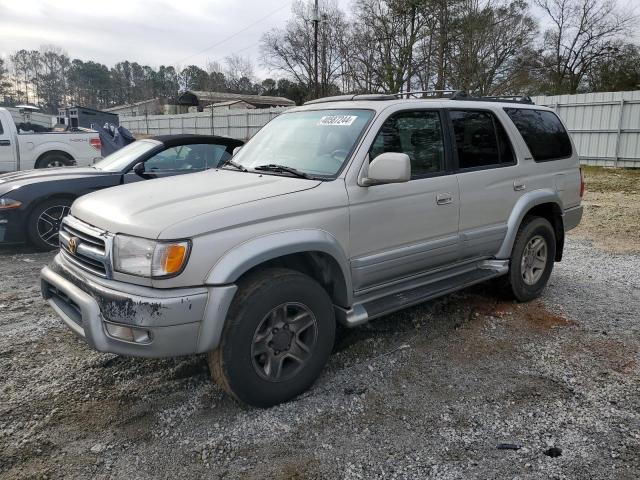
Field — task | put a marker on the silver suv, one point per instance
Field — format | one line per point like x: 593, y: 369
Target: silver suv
x: 342, y: 210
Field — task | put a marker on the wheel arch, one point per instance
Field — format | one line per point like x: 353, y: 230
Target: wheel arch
x: 543, y: 203
x: 44, y: 155
x: 316, y: 253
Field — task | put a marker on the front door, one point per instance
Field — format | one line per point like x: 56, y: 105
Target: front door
x: 182, y: 159
x: 7, y: 150
x: 403, y: 229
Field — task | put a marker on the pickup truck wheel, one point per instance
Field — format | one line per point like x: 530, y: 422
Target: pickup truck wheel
x: 277, y: 338
x: 532, y: 259
x: 44, y: 222
x: 53, y: 160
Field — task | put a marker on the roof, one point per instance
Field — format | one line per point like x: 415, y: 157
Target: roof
x: 188, y: 138
x: 128, y: 105
x: 216, y: 97
x: 224, y: 104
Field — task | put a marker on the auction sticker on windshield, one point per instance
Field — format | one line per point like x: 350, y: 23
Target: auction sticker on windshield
x: 341, y: 120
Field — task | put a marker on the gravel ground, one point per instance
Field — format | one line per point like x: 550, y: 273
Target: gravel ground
x: 426, y: 393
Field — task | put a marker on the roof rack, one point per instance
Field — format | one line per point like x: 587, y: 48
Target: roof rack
x: 425, y: 94
x: 432, y: 94
x: 463, y: 95
x: 347, y: 98
x: 500, y: 98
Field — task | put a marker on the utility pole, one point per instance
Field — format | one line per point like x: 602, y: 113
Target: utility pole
x: 316, y: 20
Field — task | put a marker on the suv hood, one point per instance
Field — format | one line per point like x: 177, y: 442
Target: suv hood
x: 145, y: 209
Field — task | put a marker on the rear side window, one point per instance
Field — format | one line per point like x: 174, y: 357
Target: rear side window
x: 481, y: 140
x: 1, y: 130
x: 543, y: 133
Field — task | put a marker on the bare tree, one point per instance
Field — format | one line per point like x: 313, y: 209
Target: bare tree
x: 583, y: 32
x: 239, y: 72
x: 490, y: 42
x: 291, y: 50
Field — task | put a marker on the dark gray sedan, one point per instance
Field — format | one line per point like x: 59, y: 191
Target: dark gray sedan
x: 33, y: 202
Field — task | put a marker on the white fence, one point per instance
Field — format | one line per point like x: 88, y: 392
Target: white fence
x: 605, y: 126
x: 241, y: 123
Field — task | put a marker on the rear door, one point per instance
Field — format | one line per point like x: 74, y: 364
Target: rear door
x: 403, y: 229
x: 7, y: 149
x: 488, y: 177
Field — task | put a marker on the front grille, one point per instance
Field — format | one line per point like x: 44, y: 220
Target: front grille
x: 85, y: 246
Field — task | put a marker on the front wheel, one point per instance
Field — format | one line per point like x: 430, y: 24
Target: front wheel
x: 277, y: 338
x: 44, y: 222
x: 532, y: 259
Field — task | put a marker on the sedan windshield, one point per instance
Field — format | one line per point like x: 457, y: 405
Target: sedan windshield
x: 315, y: 142
x: 121, y: 159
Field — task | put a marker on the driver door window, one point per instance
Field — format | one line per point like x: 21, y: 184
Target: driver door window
x: 187, y: 158
x: 419, y: 135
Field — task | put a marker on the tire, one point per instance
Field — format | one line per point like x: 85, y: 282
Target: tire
x: 255, y: 336
x: 43, y: 223
x: 53, y: 160
x: 532, y: 259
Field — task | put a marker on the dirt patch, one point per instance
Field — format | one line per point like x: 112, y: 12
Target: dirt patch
x: 611, y: 210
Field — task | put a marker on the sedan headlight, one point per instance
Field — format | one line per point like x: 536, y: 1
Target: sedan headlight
x: 149, y: 258
x: 8, y: 204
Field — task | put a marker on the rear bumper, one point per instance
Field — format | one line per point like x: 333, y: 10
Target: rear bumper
x: 571, y: 217
x: 160, y: 323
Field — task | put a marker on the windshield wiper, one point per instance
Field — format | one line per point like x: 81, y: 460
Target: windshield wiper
x: 234, y: 164
x: 272, y: 167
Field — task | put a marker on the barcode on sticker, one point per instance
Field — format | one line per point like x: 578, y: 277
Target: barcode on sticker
x: 343, y: 120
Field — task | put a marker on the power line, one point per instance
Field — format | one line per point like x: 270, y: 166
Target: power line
x: 234, y: 34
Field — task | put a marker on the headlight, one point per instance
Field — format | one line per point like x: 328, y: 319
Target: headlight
x: 149, y: 258
x: 8, y: 204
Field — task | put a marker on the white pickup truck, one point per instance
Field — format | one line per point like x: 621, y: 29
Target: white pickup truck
x: 23, y: 151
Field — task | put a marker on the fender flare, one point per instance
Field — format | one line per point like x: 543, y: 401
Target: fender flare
x: 522, y: 206
x: 255, y: 251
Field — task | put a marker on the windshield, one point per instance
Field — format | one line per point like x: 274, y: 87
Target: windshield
x: 120, y: 159
x: 315, y: 142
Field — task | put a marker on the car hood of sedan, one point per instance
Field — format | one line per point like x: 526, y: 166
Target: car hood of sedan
x: 145, y: 209
x: 13, y: 180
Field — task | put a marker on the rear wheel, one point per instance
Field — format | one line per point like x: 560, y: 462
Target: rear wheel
x: 44, y: 222
x: 277, y: 338
x: 53, y: 160
x: 532, y: 259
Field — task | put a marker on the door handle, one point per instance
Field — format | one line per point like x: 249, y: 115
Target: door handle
x: 443, y: 198
x: 5, y: 143
x: 518, y: 185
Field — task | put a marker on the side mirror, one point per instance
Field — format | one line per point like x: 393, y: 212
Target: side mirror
x: 139, y: 170
x: 236, y: 150
x: 388, y: 167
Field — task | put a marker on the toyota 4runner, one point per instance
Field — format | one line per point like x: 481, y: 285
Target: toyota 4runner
x: 342, y: 210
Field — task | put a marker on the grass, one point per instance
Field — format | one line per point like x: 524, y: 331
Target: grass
x: 600, y: 179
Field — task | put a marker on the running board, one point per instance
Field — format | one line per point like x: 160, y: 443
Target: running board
x: 361, y: 313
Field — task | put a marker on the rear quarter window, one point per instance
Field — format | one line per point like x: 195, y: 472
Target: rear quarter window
x: 1, y: 129
x: 543, y: 133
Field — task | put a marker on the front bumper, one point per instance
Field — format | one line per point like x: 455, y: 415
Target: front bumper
x: 169, y: 322
x: 12, y: 226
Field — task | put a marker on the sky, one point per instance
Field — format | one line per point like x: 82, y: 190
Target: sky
x: 150, y: 32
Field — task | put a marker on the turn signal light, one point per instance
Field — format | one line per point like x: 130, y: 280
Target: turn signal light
x: 173, y: 258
